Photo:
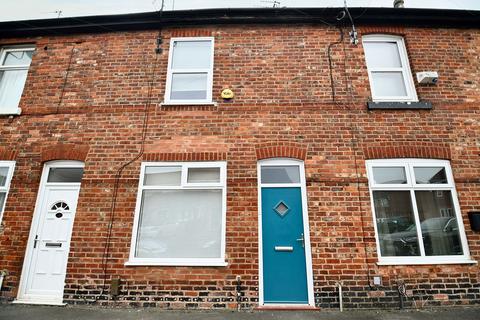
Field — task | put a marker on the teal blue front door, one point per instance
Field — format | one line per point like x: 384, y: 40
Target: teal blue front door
x: 283, y: 247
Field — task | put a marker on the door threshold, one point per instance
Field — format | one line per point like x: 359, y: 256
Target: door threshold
x: 39, y: 302
x: 286, y: 307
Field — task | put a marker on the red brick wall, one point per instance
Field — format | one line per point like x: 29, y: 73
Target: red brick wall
x: 282, y: 107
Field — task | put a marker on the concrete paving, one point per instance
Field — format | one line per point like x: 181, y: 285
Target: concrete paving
x: 26, y: 312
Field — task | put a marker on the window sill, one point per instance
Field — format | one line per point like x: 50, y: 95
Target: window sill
x: 188, y: 104
x: 395, y: 105
x: 11, y: 113
x: 414, y: 262
x: 179, y: 263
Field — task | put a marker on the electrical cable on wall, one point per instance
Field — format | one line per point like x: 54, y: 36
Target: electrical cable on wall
x: 340, y: 16
x: 356, y: 134
x: 353, y: 128
x: 353, y: 33
x: 120, y: 170
x: 65, y: 80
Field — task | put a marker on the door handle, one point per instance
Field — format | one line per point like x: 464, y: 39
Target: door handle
x: 302, y: 239
x: 35, y: 241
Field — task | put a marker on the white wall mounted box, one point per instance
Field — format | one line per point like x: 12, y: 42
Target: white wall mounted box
x: 427, y: 77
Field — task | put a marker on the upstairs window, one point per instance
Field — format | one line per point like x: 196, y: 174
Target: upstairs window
x: 417, y: 215
x: 190, y: 71
x: 6, y: 173
x: 388, y: 69
x: 14, y: 64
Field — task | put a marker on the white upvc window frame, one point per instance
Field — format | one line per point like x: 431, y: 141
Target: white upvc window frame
x: 3, y: 53
x: 171, y: 71
x: 6, y: 188
x: 412, y: 186
x: 405, y: 69
x: 184, y: 185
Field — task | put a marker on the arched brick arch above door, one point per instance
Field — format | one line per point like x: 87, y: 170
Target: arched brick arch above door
x: 64, y: 151
x: 281, y: 150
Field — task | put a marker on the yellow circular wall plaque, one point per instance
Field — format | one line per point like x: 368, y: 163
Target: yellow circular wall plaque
x: 227, y: 94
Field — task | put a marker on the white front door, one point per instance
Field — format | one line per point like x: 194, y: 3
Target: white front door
x: 43, y: 277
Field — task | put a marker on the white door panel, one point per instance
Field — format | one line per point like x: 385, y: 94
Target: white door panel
x: 46, y: 274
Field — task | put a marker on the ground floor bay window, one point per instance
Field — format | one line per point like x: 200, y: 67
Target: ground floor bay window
x: 180, y: 215
x: 416, y: 211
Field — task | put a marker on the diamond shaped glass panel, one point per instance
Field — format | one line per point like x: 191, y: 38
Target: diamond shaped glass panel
x: 281, y: 208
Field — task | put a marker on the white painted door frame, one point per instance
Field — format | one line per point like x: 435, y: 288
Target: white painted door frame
x: 21, y: 298
x: 306, y: 225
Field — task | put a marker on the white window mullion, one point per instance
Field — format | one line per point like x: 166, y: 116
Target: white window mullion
x: 184, y: 175
x: 13, y: 68
x: 189, y: 71
x: 417, y: 222
x: 391, y: 69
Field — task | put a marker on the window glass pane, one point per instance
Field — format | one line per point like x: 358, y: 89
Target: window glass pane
x: 396, y: 228
x: 389, y: 175
x: 65, y: 175
x: 17, y: 58
x: 180, y: 224
x: 189, y: 86
x: 192, y: 54
x: 430, y: 175
x: 382, y: 55
x: 389, y: 84
x: 2, y: 202
x: 3, y: 176
x: 280, y: 174
x: 203, y: 175
x: 162, y: 176
x: 439, y: 223
x: 11, y: 88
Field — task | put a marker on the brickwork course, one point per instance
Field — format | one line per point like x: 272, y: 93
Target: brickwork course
x: 87, y: 96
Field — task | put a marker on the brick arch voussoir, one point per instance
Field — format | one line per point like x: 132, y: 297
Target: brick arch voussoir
x: 408, y: 151
x: 281, y: 150
x: 64, y: 151
x: 7, y: 154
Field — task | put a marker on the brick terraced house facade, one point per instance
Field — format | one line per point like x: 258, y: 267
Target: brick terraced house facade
x: 241, y: 158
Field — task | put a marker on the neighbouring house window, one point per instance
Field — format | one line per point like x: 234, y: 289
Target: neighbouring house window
x: 416, y: 210
x: 6, y: 173
x: 388, y: 69
x: 14, y: 64
x: 180, y: 214
x: 190, y: 71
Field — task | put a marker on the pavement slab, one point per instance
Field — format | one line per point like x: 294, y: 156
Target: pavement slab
x: 29, y: 312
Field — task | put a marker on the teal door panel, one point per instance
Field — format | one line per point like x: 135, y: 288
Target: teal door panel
x: 284, y: 263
